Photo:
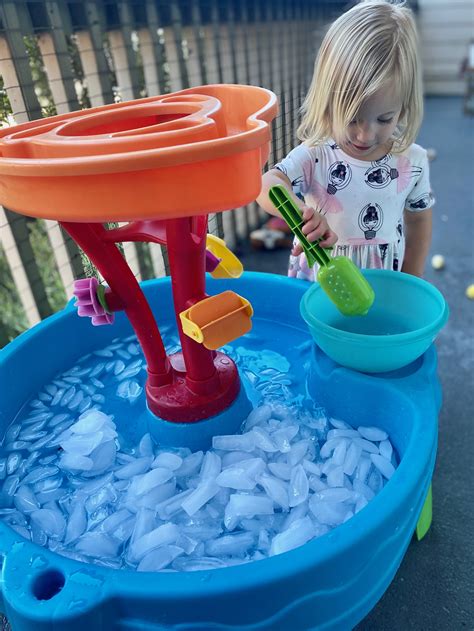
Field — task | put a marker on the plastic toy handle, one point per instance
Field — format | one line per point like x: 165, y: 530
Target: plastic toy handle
x: 228, y: 265
x: 90, y: 301
x: 290, y: 212
x: 217, y: 320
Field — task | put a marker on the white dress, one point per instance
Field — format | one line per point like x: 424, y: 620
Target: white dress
x: 363, y: 201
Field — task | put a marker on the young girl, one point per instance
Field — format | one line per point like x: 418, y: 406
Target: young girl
x: 364, y: 183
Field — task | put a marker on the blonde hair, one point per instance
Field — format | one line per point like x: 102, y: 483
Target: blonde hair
x: 372, y: 45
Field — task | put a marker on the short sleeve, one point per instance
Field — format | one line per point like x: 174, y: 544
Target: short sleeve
x: 421, y: 195
x: 298, y: 166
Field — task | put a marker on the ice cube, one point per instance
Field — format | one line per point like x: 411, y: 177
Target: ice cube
x: 146, y: 446
x: 76, y: 524
x: 191, y: 465
x: 159, y: 559
x: 297, y: 452
x: 96, y: 544
x: 258, y: 416
x: 311, y: 467
x: 12, y: 433
x: 230, y: 545
x: 51, y: 522
x: 211, y: 466
x: 241, y: 475
x: 163, y: 535
x: 352, y: 458
x: 193, y: 564
x: 329, y: 446
x: 168, y: 461
x: 282, y: 437
x: 328, y: 513
x: 339, y: 454
x: 169, y: 507
x: 243, y: 442
x: 82, y: 444
x: 339, y: 424
x: 136, y: 467
x: 246, y: 506
x: 13, y: 462
x: 276, y: 489
x: 385, y: 467
x: 334, y: 494
x: 263, y: 440
x: 386, y: 449
x: 375, y: 481
x: 316, y: 484
x: 280, y: 470
x: 129, y: 390
x: 362, y: 489
x: 39, y: 473
x: 366, y: 445
x: 363, y: 468
x: 25, y: 500
x: 300, y: 531
x: 372, y: 433
x: 73, y: 462
x: 336, y: 476
x: 155, y: 496
x: 298, y: 487
x: 200, y: 496
x: 103, y: 458
x: 343, y: 433
x: 148, y: 481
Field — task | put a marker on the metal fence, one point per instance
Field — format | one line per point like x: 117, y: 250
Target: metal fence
x: 58, y: 56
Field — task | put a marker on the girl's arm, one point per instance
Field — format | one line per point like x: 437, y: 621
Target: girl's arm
x: 315, y: 227
x: 273, y: 177
x: 418, y: 228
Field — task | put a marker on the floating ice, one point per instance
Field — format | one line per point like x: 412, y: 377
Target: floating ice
x: 159, y: 559
x: 385, y: 467
x: 133, y: 468
x: 49, y: 521
x: 372, y: 433
x: 298, y: 487
x: 205, y: 491
x: 71, y: 481
x: 298, y: 533
x: 163, y: 535
x: 129, y: 390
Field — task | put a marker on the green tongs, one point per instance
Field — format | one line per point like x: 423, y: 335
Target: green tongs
x: 340, y: 278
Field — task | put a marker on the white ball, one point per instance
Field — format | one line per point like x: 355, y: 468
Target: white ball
x: 437, y: 261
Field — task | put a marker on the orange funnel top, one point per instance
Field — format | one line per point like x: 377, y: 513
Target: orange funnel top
x: 192, y: 152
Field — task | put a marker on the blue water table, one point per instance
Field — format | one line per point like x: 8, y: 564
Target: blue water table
x: 192, y: 394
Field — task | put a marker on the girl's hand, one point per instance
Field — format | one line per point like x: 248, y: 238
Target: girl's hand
x: 315, y: 227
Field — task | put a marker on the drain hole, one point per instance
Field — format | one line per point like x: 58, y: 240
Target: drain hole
x: 48, y: 584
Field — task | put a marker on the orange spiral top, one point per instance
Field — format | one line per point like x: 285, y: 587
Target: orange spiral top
x: 196, y: 151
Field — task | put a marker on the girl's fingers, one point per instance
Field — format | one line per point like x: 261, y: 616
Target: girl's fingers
x: 313, y: 225
x: 323, y: 232
x: 297, y: 250
x: 317, y: 233
x: 329, y: 239
x: 315, y: 228
x: 308, y: 213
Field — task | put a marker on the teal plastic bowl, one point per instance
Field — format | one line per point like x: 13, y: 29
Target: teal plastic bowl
x: 403, y: 322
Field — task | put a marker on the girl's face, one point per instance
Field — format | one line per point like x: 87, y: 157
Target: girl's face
x: 368, y: 136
